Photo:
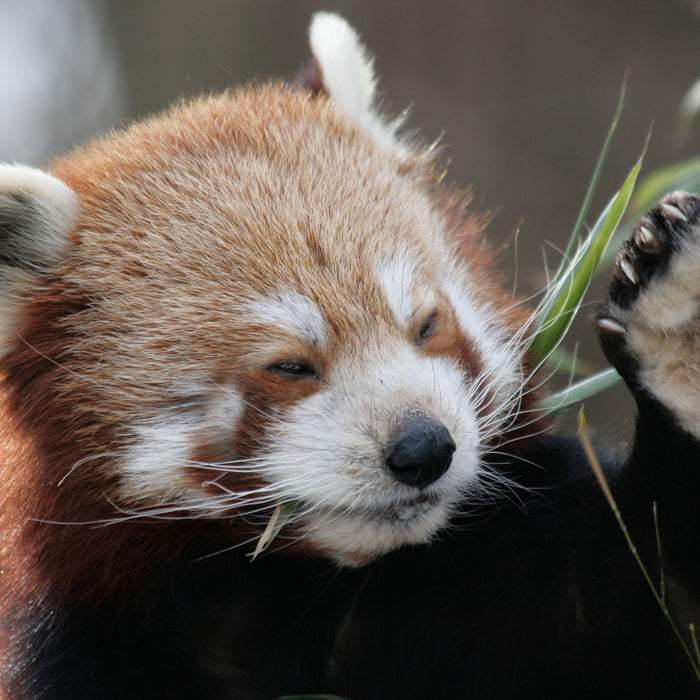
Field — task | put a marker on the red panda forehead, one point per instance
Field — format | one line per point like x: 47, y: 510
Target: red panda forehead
x: 245, y: 196
x: 339, y: 317
x: 233, y: 182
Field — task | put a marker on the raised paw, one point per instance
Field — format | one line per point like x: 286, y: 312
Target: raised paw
x: 665, y: 235
x: 649, y: 327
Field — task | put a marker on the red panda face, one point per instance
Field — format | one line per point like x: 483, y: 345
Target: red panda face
x: 263, y: 303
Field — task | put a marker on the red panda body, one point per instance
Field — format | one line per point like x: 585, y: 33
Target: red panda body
x: 263, y: 305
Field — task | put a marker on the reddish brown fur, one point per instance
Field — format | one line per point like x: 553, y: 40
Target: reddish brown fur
x: 183, y: 171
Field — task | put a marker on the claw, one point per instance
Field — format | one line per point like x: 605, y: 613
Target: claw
x: 611, y: 325
x: 673, y: 212
x: 628, y: 269
x: 645, y: 239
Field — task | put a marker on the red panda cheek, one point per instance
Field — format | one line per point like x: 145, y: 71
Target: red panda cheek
x: 450, y: 341
x: 267, y: 397
x: 468, y: 356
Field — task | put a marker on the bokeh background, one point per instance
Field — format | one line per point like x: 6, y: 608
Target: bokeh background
x: 520, y: 92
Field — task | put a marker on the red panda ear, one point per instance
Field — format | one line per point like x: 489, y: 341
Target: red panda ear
x: 37, y: 212
x: 345, y: 72
x: 311, y: 79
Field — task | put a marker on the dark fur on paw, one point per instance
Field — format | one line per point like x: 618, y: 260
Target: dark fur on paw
x: 657, y: 236
x: 649, y: 328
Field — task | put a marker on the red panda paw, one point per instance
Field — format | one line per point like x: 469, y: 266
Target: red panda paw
x: 650, y: 326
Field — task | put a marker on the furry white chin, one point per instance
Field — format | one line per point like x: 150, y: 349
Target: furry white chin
x: 357, y: 537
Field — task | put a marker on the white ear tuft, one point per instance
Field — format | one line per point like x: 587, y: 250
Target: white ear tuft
x: 348, y: 77
x: 37, y: 212
x: 347, y: 69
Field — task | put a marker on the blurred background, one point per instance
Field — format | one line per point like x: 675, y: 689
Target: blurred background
x: 520, y: 93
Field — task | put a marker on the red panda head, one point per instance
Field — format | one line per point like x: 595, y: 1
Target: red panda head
x: 255, y: 299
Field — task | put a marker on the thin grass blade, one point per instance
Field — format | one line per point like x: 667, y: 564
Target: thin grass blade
x: 593, y: 185
x: 603, y: 482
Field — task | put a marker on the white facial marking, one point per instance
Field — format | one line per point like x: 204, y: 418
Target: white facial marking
x: 396, y: 280
x: 500, y: 352
x: 222, y: 412
x: 292, y: 312
x: 404, y: 294
x: 153, y: 469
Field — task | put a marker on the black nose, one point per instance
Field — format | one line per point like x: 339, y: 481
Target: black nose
x: 422, y: 452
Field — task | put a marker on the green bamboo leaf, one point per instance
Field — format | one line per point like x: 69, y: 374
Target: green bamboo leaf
x: 683, y: 175
x: 593, y: 185
x: 582, y: 390
x: 564, y: 296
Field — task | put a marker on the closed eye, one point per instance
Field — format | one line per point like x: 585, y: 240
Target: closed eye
x: 294, y: 369
x: 427, y: 329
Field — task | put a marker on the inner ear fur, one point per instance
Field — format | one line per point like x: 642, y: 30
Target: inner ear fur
x: 37, y: 213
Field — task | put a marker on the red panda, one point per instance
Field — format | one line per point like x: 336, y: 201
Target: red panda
x: 266, y: 302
